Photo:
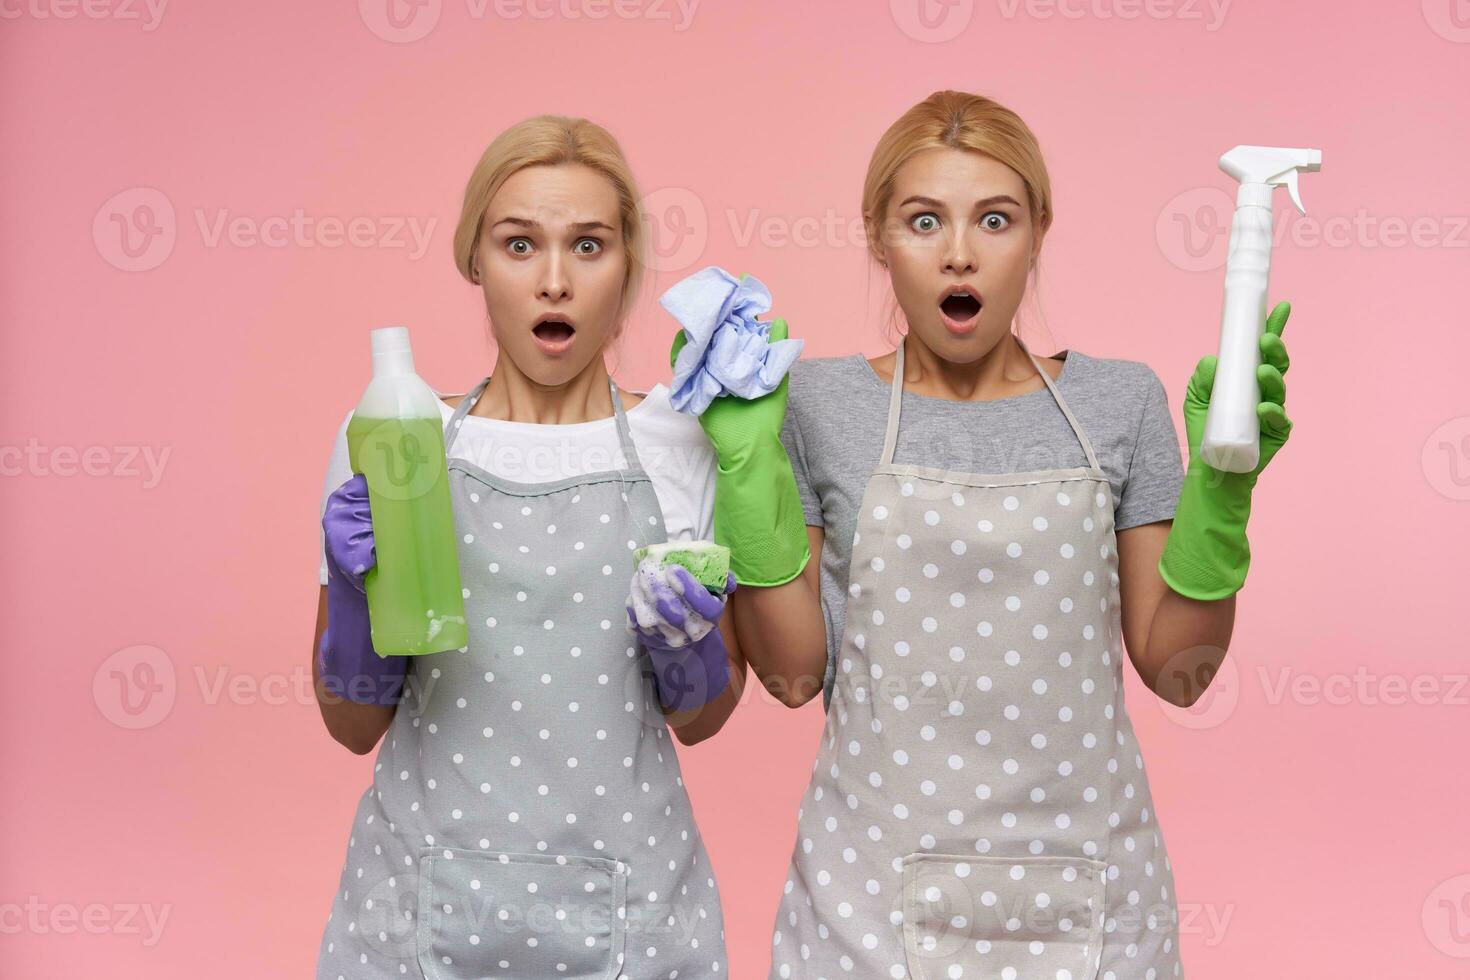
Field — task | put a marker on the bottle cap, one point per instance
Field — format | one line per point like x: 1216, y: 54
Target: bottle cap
x: 388, y: 340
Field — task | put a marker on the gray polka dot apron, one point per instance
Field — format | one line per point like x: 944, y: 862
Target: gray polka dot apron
x: 527, y: 816
x: 978, y: 809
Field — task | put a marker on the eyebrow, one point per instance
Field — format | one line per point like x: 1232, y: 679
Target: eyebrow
x: 529, y: 223
x: 997, y: 199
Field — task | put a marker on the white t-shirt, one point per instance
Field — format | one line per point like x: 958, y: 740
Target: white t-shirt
x: 671, y: 446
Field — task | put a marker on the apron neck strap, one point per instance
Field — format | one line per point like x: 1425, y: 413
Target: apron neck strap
x: 625, y: 434
x: 1056, y: 395
x: 895, y: 406
x: 457, y: 419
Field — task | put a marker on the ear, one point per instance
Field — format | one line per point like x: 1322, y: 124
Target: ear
x: 1036, y: 249
x: 876, y: 246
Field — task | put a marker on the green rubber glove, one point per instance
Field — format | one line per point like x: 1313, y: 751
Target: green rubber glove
x: 1207, y: 554
x: 757, y: 506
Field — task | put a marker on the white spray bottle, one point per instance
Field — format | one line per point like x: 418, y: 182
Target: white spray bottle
x: 1232, y: 440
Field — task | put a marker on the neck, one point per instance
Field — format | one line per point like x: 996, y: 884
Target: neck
x: 514, y: 397
x: 995, y: 374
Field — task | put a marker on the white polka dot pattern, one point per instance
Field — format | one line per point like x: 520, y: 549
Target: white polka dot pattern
x: 979, y: 808
x: 527, y: 816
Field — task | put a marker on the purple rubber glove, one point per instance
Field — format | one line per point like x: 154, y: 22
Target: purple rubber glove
x: 350, y: 667
x: 677, y: 620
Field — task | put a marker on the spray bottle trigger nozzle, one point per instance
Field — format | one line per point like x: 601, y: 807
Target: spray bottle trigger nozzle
x: 1288, y: 179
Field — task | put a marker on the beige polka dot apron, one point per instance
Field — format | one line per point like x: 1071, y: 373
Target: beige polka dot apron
x: 527, y: 816
x: 978, y: 809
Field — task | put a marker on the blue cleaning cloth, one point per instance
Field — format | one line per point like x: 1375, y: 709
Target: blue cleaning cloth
x: 728, y: 352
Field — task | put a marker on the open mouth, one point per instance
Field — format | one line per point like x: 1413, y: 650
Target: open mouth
x: 960, y: 307
x: 553, y: 331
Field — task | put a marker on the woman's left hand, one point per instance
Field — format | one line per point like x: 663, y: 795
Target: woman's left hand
x: 670, y: 609
x: 677, y: 619
x: 1271, y: 409
x: 1207, y: 554
x: 757, y: 506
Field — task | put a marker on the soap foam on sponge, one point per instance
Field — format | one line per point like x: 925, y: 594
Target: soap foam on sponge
x: 708, y: 562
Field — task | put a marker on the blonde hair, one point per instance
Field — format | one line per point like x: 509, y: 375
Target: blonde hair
x: 962, y: 121
x: 549, y: 140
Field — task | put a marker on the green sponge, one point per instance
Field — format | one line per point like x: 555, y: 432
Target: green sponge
x: 707, y: 562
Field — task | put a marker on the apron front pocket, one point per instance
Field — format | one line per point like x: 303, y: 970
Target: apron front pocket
x: 988, y: 918
x: 491, y: 914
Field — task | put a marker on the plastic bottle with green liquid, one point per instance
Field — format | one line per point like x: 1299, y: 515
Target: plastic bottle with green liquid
x: 395, y: 438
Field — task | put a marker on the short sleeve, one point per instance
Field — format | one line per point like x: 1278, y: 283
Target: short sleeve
x: 703, y: 504
x: 1155, y: 472
x: 811, y: 505
x: 339, y: 471
x: 687, y: 497
x: 681, y: 464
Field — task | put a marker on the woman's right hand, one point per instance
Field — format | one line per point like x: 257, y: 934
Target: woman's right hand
x: 350, y: 667
x: 348, y: 525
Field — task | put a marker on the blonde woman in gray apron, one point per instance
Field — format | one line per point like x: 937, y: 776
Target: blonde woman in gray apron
x: 994, y: 527
x: 527, y: 816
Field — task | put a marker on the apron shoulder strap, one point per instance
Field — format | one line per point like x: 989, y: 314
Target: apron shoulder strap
x: 451, y: 428
x: 895, y: 403
x: 625, y: 433
x: 1056, y: 394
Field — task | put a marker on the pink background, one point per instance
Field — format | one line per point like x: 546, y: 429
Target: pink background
x: 1315, y: 832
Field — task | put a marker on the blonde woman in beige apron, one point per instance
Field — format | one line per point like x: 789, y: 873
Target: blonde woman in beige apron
x: 994, y: 529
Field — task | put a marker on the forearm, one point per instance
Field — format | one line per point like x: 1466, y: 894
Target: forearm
x: 697, y: 724
x: 758, y: 515
x: 1187, y: 641
x: 1189, y: 570
x: 357, y: 726
x: 784, y: 638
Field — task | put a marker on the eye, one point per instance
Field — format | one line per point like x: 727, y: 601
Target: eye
x: 927, y: 221
x: 518, y: 246
x: 989, y: 222
x: 581, y: 247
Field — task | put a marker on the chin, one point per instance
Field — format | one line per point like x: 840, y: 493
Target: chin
x: 546, y: 375
x: 551, y: 372
x: 959, y: 349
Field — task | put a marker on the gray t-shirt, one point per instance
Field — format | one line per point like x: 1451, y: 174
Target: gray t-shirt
x: 838, y: 410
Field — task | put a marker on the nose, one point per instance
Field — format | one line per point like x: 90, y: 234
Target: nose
x: 959, y: 254
x: 556, y: 283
